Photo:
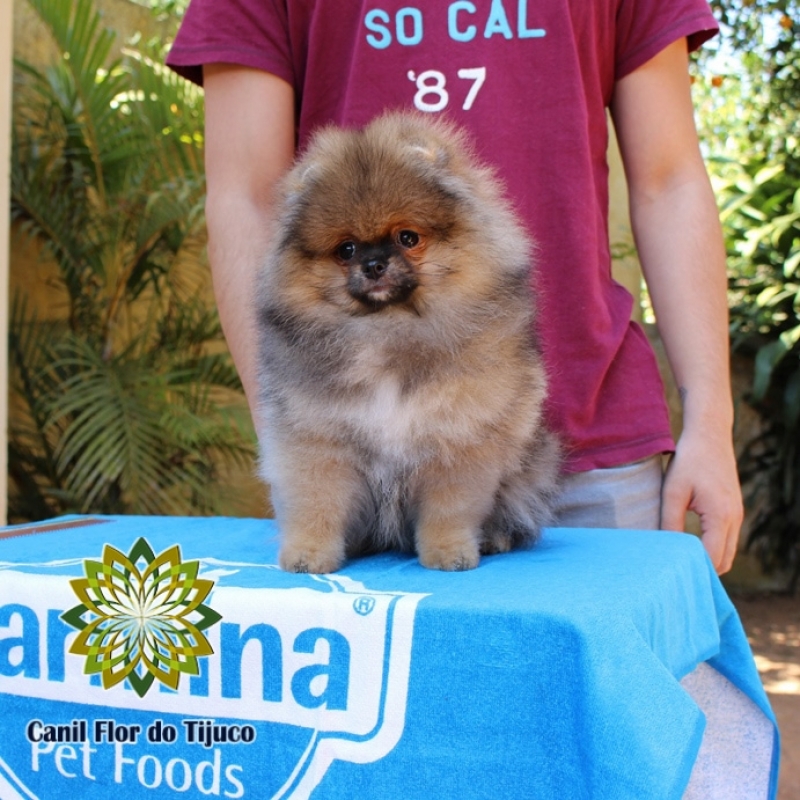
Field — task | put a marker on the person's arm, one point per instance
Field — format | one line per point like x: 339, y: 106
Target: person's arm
x: 249, y: 144
x: 676, y: 227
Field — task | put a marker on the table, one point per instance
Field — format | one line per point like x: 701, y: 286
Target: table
x: 577, y: 669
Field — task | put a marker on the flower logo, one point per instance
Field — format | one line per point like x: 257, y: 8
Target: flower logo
x: 141, y: 617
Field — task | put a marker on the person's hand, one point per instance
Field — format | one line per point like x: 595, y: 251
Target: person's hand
x: 702, y: 477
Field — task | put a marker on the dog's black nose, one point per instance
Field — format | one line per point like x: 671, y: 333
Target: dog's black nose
x: 373, y: 268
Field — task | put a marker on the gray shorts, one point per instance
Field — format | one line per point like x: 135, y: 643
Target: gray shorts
x: 620, y: 497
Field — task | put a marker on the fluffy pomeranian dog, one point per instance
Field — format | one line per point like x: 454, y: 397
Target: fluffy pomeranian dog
x: 401, y: 388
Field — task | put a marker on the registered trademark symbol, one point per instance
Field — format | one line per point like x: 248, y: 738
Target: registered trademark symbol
x: 364, y: 605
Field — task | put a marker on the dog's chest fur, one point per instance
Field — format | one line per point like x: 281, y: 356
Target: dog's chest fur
x: 392, y: 417
x: 387, y: 415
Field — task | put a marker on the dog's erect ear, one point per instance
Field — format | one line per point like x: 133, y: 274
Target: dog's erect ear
x: 424, y: 138
x: 309, y: 166
x: 432, y: 152
x: 298, y: 181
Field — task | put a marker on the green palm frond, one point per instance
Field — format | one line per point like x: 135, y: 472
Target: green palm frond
x: 125, y: 426
x: 87, y: 85
x: 43, y: 215
x: 132, y: 404
x: 32, y: 473
x: 170, y: 106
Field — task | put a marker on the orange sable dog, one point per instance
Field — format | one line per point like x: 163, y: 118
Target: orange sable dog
x: 401, y: 386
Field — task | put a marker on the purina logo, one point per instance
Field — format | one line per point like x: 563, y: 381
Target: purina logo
x: 314, y: 669
x: 145, y: 617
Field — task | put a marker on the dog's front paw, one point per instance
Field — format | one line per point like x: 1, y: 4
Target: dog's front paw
x: 496, y: 542
x: 293, y: 559
x: 452, y: 559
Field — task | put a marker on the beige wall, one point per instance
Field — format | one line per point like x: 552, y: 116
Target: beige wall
x: 5, y: 149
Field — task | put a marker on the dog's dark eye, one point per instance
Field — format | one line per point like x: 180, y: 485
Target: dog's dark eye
x: 408, y: 239
x: 346, y: 250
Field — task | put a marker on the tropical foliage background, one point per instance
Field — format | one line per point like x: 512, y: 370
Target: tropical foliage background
x: 128, y: 401
x: 748, y: 100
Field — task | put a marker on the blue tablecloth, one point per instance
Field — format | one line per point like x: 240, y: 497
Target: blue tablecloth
x: 549, y: 673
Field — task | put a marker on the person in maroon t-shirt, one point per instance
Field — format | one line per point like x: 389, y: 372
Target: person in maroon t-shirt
x: 532, y: 83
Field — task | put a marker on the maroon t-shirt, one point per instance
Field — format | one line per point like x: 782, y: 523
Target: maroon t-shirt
x: 531, y: 81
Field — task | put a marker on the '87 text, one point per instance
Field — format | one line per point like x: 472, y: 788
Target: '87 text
x: 432, y: 94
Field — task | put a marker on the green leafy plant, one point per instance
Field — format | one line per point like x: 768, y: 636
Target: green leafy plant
x: 761, y: 215
x: 128, y: 403
x: 747, y: 95
x: 759, y: 39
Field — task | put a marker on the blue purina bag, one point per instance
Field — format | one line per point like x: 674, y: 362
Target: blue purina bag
x: 171, y: 658
x: 139, y: 670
